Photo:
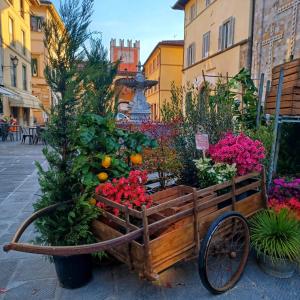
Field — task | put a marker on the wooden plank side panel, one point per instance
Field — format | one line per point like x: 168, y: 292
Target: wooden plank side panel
x: 283, y: 111
x: 161, y: 195
x: 284, y: 104
x: 288, y: 71
x: 285, y: 91
x: 172, y: 242
x: 246, y: 207
x: 170, y: 261
x: 286, y: 66
x: 105, y: 232
x: 290, y: 78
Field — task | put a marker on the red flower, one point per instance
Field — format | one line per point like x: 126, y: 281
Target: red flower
x: 126, y: 191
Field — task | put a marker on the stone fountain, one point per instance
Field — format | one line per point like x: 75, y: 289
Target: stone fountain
x: 139, y: 107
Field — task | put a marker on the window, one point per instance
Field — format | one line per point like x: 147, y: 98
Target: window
x: 191, y: 55
x: 193, y: 12
x: 207, y: 2
x: 226, y: 34
x: 24, y: 77
x: 34, y: 67
x: 11, y: 31
x: 36, y: 23
x: 22, y: 12
x: 206, y: 44
x: 23, y: 41
x: 13, y: 73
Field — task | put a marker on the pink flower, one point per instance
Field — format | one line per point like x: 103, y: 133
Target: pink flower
x: 241, y: 150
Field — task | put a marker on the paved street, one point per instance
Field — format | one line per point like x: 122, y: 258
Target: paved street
x: 26, y: 276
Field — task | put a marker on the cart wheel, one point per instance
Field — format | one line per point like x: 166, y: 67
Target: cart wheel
x: 224, y: 252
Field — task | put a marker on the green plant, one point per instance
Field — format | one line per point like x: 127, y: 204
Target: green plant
x: 70, y: 223
x: 276, y: 234
x: 246, y: 111
x: 265, y: 135
x: 98, y: 137
x: 210, y: 173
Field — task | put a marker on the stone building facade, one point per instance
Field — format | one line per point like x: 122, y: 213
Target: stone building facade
x: 276, y: 36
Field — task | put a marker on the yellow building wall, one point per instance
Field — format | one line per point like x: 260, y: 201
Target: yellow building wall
x: 210, y: 18
x: 167, y: 70
x: 23, y: 112
x: 9, y: 51
x: 40, y: 87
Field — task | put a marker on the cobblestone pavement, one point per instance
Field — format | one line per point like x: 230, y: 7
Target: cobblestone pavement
x: 25, y: 276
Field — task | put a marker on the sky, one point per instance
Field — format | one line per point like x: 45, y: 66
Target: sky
x: 149, y: 21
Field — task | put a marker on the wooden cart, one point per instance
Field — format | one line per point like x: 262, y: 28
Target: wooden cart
x: 152, y: 240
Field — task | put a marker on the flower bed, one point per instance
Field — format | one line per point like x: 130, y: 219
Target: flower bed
x: 285, y: 193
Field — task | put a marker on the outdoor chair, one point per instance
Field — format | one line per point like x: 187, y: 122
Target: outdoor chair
x: 25, y: 135
x: 39, y: 135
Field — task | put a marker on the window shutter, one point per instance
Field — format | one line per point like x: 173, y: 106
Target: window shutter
x: 203, y: 46
x: 208, y: 43
x: 194, y: 53
x: 220, y: 37
x: 232, y: 25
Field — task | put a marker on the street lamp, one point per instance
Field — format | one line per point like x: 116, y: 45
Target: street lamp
x: 15, y: 62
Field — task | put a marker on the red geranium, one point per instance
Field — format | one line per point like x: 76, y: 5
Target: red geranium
x: 129, y: 191
x: 292, y: 204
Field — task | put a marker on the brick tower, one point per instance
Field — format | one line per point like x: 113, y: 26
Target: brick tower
x: 129, y: 54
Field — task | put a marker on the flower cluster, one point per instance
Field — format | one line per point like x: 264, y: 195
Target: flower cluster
x: 210, y: 173
x: 241, y: 150
x: 291, y: 204
x: 126, y: 191
x: 283, y: 188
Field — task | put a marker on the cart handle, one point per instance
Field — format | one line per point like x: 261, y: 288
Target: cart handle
x: 64, y: 250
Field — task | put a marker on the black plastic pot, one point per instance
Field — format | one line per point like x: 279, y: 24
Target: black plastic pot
x: 73, y: 271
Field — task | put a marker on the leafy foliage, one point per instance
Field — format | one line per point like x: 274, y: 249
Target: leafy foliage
x: 246, y: 111
x: 210, y: 173
x: 97, y: 77
x: 69, y: 224
x: 276, y: 234
x: 97, y: 137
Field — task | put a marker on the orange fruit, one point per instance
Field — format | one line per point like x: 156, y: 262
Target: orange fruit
x: 136, y: 159
x: 106, y: 162
x: 103, y: 176
x: 92, y: 201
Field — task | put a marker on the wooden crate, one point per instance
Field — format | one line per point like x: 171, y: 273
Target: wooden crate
x: 290, y: 99
x: 173, y: 228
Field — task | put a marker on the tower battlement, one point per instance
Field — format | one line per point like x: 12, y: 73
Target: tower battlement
x: 127, y: 52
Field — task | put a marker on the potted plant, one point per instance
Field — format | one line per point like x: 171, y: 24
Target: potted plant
x: 275, y: 236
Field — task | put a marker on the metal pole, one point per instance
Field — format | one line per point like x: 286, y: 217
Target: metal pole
x: 260, y: 93
x: 275, y: 131
x: 268, y: 87
x: 277, y: 147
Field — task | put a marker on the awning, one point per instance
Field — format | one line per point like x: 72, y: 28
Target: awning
x: 26, y: 100
x: 20, y: 99
x: 8, y: 93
